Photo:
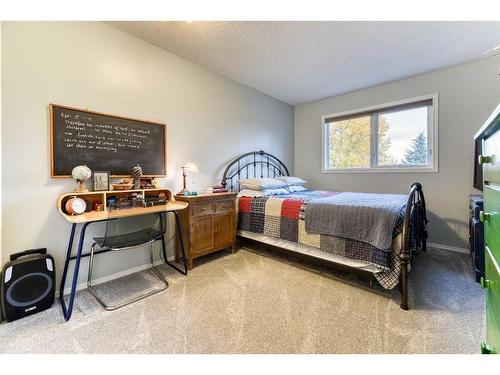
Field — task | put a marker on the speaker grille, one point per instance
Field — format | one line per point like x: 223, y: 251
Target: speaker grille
x: 29, y: 289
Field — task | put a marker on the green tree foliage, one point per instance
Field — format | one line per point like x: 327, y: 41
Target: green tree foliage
x: 349, y: 142
x: 417, y: 152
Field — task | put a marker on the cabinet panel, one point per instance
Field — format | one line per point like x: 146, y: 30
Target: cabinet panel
x: 492, y: 222
x: 491, y: 170
x: 492, y: 302
x: 224, y: 231
x: 203, y: 233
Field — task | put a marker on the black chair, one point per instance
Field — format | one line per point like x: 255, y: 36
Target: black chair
x: 119, y: 242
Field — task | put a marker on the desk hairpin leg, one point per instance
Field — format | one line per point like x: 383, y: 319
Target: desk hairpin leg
x: 179, y: 231
x: 67, y: 310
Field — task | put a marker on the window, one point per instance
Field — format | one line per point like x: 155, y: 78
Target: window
x: 394, y: 137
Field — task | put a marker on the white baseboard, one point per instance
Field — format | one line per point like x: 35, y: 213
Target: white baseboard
x: 449, y: 248
x: 113, y: 276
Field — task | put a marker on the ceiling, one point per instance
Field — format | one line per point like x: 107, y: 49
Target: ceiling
x: 298, y: 62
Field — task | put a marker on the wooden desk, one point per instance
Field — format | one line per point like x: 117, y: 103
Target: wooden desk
x: 98, y: 216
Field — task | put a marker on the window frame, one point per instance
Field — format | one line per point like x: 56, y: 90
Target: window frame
x: 373, y: 112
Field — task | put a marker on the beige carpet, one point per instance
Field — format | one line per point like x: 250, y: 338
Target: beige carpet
x: 252, y: 303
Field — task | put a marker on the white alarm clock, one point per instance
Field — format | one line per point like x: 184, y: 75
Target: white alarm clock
x: 75, y: 206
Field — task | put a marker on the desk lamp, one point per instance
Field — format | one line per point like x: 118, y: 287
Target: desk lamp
x: 191, y: 167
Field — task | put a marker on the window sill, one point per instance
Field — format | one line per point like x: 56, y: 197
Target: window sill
x: 382, y: 170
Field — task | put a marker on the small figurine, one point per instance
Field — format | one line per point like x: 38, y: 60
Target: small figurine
x: 137, y: 173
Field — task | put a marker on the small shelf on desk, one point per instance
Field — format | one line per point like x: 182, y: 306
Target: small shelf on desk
x: 102, y: 196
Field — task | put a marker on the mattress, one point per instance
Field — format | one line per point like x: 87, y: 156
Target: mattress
x: 280, y: 221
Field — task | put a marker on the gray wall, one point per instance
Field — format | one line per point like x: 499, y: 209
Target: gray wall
x: 210, y: 119
x: 468, y: 93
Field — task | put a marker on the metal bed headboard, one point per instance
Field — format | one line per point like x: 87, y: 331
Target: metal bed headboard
x: 253, y: 164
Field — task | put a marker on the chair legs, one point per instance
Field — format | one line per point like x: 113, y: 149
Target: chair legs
x: 131, y: 300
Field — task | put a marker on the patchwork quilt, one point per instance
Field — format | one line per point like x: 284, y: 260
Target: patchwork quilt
x: 283, y: 216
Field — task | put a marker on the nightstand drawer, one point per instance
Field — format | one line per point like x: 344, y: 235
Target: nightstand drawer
x: 224, y: 206
x: 200, y: 209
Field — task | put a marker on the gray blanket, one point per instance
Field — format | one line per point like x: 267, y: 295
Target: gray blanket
x: 364, y: 217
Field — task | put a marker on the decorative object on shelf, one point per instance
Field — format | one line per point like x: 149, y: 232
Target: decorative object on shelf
x: 97, y: 206
x: 100, y: 181
x: 75, y: 206
x: 155, y: 183
x: 81, y: 174
x: 125, y: 184
x: 124, y: 204
x: 191, y: 167
x: 137, y: 173
x: 155, y: 200
x: 88, y: 205
x: 216, y: 189
x: 111, y: 202
x: 146, y: 183
x: 137, y: 200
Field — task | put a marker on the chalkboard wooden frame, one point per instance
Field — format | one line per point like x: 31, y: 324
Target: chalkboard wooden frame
x: 51, y: 112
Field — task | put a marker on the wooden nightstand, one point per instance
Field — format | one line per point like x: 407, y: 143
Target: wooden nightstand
x: 208, y: 224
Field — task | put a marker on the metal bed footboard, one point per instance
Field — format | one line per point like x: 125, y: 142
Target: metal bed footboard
x: 414, y: 222
x: 414, y: 235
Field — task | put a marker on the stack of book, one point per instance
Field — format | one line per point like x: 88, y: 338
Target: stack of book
x: 216, y: 189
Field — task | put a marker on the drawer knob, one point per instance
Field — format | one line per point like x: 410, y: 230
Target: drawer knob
x: 485, y: 159
x: 487, y: 349
x: 485, y: 283
x: 484, y: 216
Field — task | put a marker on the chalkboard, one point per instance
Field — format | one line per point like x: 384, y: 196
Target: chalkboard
x: 105, y: 142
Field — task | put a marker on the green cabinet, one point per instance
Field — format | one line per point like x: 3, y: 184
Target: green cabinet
x: 489, y: 134
x: 491, y: 284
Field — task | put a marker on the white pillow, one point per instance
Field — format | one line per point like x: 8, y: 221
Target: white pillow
x: 262, y: 193
x: 290, y: 180
x: 295, y: 188
x: 251, y: 193
x: 261, y: 183
x: 277, y: 191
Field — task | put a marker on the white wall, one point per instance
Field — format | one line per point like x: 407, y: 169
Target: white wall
x: 468, y: 93
x: 210, y: 119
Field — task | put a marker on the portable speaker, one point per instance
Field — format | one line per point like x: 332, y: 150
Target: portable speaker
x: 27, y: 284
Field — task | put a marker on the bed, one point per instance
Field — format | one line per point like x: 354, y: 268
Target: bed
x: 373, y: 234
